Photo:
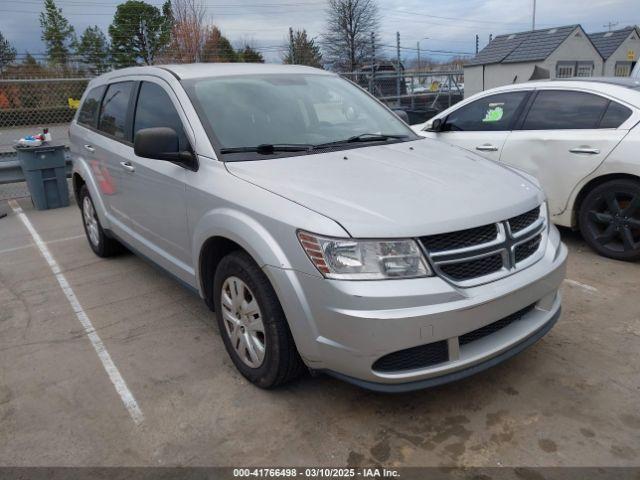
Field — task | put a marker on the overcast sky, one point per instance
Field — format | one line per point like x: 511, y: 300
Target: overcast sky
x: 450, y: 25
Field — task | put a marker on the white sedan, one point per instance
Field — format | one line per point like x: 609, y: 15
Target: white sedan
x: 579, y: 138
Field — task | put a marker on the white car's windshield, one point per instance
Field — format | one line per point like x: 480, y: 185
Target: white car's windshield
x: 291, y: 113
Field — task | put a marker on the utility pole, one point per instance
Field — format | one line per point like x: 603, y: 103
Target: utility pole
x: 610, y: 25
x: 292, y: 50
x: 398, y: 67
x: 533, y: 20
x: 477, y: 44
x: 372, y: 77
x: 419, y: 66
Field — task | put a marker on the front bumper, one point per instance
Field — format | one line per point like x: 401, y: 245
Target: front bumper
x: 343, y: 327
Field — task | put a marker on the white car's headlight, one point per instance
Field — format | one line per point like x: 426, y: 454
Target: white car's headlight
x: 350, y: 259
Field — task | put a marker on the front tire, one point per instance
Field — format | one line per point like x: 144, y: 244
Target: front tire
x: 609, y: 219
x: 100, y: 243
x: 253, y: 326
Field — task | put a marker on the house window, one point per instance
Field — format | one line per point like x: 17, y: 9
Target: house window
x: 565, y: 69
x: 585, y: 69
x: 623, y: 69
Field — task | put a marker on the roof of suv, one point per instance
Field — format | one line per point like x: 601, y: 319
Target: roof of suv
x: 204, y: 70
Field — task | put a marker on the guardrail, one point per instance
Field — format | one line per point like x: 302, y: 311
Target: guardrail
x: 11, y: 172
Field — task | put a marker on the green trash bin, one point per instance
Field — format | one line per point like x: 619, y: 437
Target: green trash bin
x: 45, y: 170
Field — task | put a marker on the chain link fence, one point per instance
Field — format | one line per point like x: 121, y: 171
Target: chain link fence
x: 44, y: 101
x: 421, y: 94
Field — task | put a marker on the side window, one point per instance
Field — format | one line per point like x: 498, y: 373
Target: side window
x: 88, y: 114
x: 155, y: 109
x: 615, y: 115
x: 492, y: 113
x: 113, y: 114
x: 565, y: 110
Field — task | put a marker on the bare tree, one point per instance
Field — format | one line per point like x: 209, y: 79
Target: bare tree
x: 347, y: 39
x: 188, y: 32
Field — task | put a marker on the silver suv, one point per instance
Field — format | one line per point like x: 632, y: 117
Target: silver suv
x: 318, y: 226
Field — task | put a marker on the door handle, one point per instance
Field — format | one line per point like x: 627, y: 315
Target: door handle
x: 587, y: 150
x: 90, y: 148
x: 128, y: 167
x: 487, y: 148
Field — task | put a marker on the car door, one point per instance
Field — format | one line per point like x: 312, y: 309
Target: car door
x: 483, y: 125
x: 564, y: 136
x: 153, y: 191
x: 111, y: 145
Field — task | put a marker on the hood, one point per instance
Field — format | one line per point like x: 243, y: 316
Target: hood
x: 400, y: 190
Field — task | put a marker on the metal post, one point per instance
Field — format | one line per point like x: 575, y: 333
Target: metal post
x: 292, y: 50
x: 398, y: 68
x: 533, y: 20
x: 450, y: 89
x: 373, y: 64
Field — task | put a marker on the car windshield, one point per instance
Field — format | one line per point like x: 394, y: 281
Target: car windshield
x: 291, y: 113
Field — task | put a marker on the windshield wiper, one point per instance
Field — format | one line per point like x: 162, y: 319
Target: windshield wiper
x: 364, y: 137
x: 268, y: 148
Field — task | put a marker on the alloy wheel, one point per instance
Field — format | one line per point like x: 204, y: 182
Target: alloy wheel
x: 243, y: 321
x: 90, y: 221
x: 614, y: 221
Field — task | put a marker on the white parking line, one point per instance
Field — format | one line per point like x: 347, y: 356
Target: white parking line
x: 110, y: 367
x: 584, y: 286
x: 23, y: 247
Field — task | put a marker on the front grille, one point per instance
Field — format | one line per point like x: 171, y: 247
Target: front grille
x: 460, y: 239
x: 472, y: 268
x: 493, y: 327
x: 412, y: 358
x: 521, y: 222
x: 526, y: 249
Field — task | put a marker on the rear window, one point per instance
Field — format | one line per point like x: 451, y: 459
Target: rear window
x: 615, y: 115
x: 88, y: 114
x: 113, y: 114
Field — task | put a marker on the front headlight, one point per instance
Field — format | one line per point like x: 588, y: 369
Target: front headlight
x: 350, y: 259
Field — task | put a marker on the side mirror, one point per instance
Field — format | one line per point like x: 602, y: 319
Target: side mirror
x: 402, y: 115
x: 161, y: 143
x: 434, y: 125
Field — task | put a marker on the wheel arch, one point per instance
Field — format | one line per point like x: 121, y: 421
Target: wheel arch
x: 589, y: 186
x: 224, y: 231
x: 77, y: 182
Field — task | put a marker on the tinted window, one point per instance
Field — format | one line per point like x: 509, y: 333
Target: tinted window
x: 89, y: 111
x: 563, y: 110
x: 492, y: 113
x: 155, y: 109
x: 615, y: 115
x: 113, y: 115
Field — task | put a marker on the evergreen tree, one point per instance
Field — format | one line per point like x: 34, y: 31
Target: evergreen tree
x: 93, y: 50
x: 57, y: 34
x: 217, y: 48
x: 7, y: 53
x: 303, y: 50
x: 249, y: 55
x: 139, y: 32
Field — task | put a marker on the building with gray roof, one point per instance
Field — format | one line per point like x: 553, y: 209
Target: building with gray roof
x: 558, y: 52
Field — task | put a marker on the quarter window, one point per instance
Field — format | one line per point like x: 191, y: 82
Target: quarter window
x: 155, y: 109
x: 113, y: 114
x: 615, y: 115
x: 88, y: 114
x: 563, y: 110
x: 492, y: 113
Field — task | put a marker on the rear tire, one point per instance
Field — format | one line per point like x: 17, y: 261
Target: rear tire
x: 102, y: 245
x: 252, y: 323
x: 609, y: 219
